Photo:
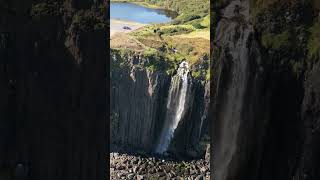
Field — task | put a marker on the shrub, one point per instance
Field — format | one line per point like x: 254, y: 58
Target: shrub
x: 155, y: 62
x: 187, y: 17
x: 198, y: 25
x: 196, y: 74
x: 150, y: 52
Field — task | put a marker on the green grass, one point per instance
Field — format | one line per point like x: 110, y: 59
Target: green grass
x: 183, y: 6
x: 185, y: 38
x: 201, y: 23
x: 176, y: 30
x: 206, y: 21
x: 174, y: 37
x: 149, y: 52
x: 196, y: 74
x: 164, y: 30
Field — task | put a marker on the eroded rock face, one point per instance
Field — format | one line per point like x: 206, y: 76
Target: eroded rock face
x: 138, y: 107
x: 53, y: 94
x: 265, y: 108
x: 238, y: 99
x: 137, y: 103
x: 309, y: 160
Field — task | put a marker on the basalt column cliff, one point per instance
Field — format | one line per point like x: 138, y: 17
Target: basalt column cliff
x: 160, y: 79
x: 53, y: 89
x: 153, y: 111
x: 266, y: 90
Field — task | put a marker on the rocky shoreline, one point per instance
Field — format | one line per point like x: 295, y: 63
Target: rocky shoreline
x: 126, y: 166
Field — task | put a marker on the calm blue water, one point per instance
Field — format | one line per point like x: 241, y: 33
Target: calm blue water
x: 136, y: 13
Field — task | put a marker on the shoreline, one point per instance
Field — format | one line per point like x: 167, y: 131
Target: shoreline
x: 116, y: 26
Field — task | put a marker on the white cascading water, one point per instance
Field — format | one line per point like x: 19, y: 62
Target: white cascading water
x: 233, y: 105
x: 175, y: 106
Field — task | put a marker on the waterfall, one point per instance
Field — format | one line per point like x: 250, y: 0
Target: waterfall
x: 175, y: 106
x: 234, y: 115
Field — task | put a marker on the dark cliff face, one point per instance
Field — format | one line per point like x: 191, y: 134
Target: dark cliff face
x: 238, y: 98
x: 53, y: 91
x: 308, y: 167
x: 139, y: 99
x: 265, y: 93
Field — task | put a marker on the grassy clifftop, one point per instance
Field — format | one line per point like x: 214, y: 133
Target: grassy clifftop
x: 186, y: 38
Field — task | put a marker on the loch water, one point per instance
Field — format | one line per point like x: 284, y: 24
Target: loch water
x: 136, y: 13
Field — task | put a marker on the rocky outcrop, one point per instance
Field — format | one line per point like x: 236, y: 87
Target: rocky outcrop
x: 265, y: 111
x: 139, y: 96
x: 53, y: 91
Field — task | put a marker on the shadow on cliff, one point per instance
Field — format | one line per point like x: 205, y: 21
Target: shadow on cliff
x: 53, y: 90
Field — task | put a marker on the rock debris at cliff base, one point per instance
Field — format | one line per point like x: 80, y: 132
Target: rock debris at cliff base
x: 125, y: 166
